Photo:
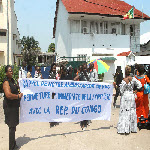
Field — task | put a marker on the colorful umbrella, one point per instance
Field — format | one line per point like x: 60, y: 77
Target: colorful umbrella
x: 100, y: 66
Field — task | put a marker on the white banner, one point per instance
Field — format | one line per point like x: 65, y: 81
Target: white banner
x: 48, y: 100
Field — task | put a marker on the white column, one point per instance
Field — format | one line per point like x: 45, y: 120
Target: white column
x: 80, y: 26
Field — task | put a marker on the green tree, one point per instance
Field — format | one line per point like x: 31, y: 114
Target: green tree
x: 30, y: 50
x: 2, y: 77
x: 15, y: 69
x: 51, y: 47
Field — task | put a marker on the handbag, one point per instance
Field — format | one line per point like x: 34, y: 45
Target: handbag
x: 146, y: 87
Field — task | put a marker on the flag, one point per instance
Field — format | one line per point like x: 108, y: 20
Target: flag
x: 130, y: 14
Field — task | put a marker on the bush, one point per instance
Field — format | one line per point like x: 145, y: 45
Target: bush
x: 2, y: 76
x: 15, y: 69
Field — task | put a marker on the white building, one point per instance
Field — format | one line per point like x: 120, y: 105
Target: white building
x: 14, y: 40
x: 96, y: 29
x: 45, y: 59
x: 144, y: 49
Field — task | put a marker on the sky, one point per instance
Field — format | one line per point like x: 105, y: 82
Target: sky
x: 36, y: 18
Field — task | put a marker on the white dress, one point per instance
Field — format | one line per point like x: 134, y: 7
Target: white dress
x: 127, y: 115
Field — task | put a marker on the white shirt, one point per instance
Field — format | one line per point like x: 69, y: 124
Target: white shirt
x: 22, y: 73
x: 93, y: 76
x: 38, y: 75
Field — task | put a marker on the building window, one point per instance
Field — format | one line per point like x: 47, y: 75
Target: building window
x: 101, y: 28
x: 81, y: 57
x: 105, y: 27
x: 123, y: 29
x: 84, y: 28
x: 96, y: 28
x: 75, y: 26
x: 115, y: 28
x: 132, y: 30
x: 2, y: 33
x: 92, y: 27
x: 39, y: 59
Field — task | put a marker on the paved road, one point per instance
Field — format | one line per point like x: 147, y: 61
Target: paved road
x: 100, y: 135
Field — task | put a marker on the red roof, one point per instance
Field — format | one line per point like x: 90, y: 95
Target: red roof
x: 124, y: 54
x: 98, y: 7
x: 103, y: 7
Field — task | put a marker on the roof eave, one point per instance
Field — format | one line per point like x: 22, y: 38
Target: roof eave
x: 108, y: 15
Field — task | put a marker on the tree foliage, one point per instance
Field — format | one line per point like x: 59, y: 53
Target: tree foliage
x: 30, y: 50
x: 51, y: 47
x: 2, y: 76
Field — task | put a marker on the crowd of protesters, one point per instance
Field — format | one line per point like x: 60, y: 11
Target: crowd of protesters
x: 82, y: 73
x: 133, y: 103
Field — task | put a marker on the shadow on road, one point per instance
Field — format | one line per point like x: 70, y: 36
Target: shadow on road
x: 24, y: 140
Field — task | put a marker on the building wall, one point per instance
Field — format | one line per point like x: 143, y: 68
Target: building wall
x: 3, y: 15
x: 2, y: 59
x: 142, y: 59
x: 144, y: 50
x: 135, y: 40
x: 99, y: 44
x: 148, y: 47
x: 14, y: 48
x: 14, y: 35
x: 62, y: 37
x: 3, y: 39
x: 79, y: 43
x: 108, y: 76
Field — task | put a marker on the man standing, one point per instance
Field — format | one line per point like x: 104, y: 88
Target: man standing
x: 119, y: 78
x: 22, y: 72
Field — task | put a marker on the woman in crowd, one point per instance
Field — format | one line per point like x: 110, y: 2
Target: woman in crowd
x: 29, y: 68
x: 38, y: 73
x: 93, y: 75
x: 11, y: 105
x: 83, y: 76
x: 69, y: 75
x: 127, y: 115
x: 148, y: 72
x: 142, y: 102
x: 62, y: 72
x: 52, y: 73
x: 118, y: 78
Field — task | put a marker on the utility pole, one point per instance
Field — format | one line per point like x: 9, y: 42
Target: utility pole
x: 7, y: 35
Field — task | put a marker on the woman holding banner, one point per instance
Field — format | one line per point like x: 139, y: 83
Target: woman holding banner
x: 11, y: 105
x: 127, y: 115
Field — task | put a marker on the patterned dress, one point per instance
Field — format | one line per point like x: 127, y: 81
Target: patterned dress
x: 127, y: 115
